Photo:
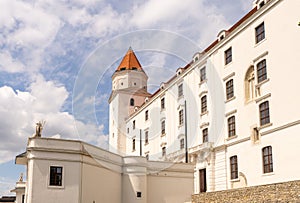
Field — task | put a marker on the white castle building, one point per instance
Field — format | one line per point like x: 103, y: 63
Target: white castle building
x: 228, y: 119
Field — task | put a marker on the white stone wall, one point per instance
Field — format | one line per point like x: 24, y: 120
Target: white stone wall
x: 91, y: 174
x: 280, y: 49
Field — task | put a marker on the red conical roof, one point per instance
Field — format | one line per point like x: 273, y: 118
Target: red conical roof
x: 130, y: 62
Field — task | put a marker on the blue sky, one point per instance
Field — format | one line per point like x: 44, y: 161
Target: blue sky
x: 57, y: 58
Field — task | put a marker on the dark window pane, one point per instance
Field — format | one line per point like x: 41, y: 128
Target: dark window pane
x: 228, y: 56
x: 55, y: 176
x: 229, y: 89
x: 260, y: 32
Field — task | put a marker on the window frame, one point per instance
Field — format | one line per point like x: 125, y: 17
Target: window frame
x: 131, y: 101
x: 203, y: 74
x: 234, y: 170
x: 260, y: 32
x: 180, y: 117
x: 231, y: 126
x: 146, y: 115
x: 261, y: 70
x: 146, y: 137
x: 180, y: 90
x: 264, y: 113
x: 163, y: 151
x: 228, y: 55
x: 133, y: 144
x: 205, y: 135
x: 163, y: 127
x: 181, y: 143
x: 133, y: 124
x: 204, y: 104
x: 267, y: 158
x: 58, y: 177
x: 229, y: 89
x: 162, y: 104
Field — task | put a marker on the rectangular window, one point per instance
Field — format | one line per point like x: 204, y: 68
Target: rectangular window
x: 181, y: 117
x: 146, y: 115
x: 260, y: 32
x: 202, y: 74
x: 261, y: 71
x: 146, y: 137
x: 163, y: 151
x: 163, y: 127
x: 127, y: 130
x: 203, y: 104
x: 231, y: 126
x: 180, y: 90
x: 228, y: 56
x: 233, y: 167
x: 205, y: 135
x: 56, y: 175
x: 162, y: 103
x: 133, y: 144
x: 229, y: 89
x: 264, y: 113
x: 181, y: 143
x: 133, y: 125
x: 267, y: 159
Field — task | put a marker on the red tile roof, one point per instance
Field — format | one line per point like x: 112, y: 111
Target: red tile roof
x: 130, y: 62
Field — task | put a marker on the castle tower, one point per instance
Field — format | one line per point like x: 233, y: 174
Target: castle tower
x: 129, y: 90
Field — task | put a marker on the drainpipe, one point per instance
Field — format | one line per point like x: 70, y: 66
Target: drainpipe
x: 185, y: 133
x: 140, y: 142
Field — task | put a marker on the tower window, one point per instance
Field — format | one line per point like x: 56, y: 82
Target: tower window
x: 131, y: 102
x: 146, y: 115
x: 264, y: 113
x: 134, y: 68
x: 205, y: 135
x: 260, y: 32
x: 267, y: 159
x: 228, y: 56
x: 123, y: 68
x: 233, y: 167
x: 55, y: 176
x: 133, y: 124
x: 261, y: 71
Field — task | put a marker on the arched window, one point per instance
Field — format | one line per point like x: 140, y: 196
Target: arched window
x: 131, y: 102
x: 249, y: 84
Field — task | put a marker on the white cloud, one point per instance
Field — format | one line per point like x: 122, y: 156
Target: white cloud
x: 27, y: 31
x: 42, y: 101
x: 6, y: 185
x: 9, y: 64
